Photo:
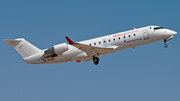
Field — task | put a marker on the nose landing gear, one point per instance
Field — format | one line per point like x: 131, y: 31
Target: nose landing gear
x: 165, y: 45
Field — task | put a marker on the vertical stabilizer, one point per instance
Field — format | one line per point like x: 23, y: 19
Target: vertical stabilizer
x: 23, y: 47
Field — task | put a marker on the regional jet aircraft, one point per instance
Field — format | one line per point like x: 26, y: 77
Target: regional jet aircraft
x: 90, y: 49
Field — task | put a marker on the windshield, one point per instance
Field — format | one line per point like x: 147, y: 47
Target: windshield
x: 156, y: 28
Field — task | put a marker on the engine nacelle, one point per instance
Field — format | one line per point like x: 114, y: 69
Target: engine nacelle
x: 57, y: 49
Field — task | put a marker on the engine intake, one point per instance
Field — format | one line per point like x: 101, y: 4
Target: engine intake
x: 57, y: 49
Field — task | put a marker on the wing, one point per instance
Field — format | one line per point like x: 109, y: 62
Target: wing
x: 90, y: 50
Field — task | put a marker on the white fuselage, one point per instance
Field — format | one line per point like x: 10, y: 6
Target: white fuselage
x: 118, y: 41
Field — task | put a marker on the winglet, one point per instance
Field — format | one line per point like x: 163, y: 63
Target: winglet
x: 70, y: 41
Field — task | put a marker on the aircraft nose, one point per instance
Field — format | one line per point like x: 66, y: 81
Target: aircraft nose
x: 170, y: 33
x: 174, y: 33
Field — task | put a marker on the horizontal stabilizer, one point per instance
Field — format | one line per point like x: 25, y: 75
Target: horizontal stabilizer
x: 12, y: 42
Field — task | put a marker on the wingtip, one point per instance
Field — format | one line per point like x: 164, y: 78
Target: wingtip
x: 69, y: 40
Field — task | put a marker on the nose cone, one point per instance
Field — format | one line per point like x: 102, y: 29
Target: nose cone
x: 170, y: 33
x: 174, y: 33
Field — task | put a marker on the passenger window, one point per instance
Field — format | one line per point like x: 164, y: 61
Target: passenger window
x: 89, y: 44
x: 124, y: 37
x: 109, y: 40
x: 94, y: 43
x: 119, y: 38
x: 114, y: 39
x: 99, y: 42
x: 129, y: 35
x: 134, y: 34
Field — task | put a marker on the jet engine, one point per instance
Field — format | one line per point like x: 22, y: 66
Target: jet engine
x: 57, y: 49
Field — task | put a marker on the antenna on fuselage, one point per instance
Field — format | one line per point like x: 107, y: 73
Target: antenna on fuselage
x: 134, y: 27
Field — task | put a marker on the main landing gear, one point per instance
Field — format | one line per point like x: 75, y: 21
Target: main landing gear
x: 95, y: 60
x: 165, y: 45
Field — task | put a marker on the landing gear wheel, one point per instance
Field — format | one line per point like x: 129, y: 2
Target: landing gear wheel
x: 165, y: 45
x: 95, y: 60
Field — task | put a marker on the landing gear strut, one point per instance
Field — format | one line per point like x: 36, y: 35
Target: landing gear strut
x: 165, y: 45
x: 95, y: 60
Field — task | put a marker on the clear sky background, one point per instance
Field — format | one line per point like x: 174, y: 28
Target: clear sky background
x: 146, y: 73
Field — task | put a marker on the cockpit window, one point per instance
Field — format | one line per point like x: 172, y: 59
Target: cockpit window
x: 156, y: 28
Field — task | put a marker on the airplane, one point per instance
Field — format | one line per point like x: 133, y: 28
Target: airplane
x: 90, y: 49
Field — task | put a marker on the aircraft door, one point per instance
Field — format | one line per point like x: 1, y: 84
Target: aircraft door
x: 145, y: 34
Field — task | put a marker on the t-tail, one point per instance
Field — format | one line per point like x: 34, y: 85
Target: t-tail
x: 23, y: 47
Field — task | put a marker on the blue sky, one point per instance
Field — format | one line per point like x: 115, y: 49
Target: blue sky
x: 146, y: 73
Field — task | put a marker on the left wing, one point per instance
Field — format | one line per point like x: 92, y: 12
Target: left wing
x: 90, y: 50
